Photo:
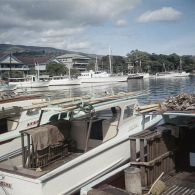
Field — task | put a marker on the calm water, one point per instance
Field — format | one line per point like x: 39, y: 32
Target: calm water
x: 159, y: 89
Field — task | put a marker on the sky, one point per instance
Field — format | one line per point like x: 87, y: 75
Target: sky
x: 92, y: 26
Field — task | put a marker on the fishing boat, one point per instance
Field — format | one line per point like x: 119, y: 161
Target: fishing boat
x: 62, y: 156
x: 29, y: 81
x: 135, y: 76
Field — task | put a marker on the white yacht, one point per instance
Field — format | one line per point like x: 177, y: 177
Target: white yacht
x: 73, y: 152
x: 100, y: 77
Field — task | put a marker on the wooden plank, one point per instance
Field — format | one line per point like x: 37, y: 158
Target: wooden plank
x: 142, y: 159
x: 133, y: 149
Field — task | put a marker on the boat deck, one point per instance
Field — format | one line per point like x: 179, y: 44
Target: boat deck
x: 14, y: 165
x: 181, y: 183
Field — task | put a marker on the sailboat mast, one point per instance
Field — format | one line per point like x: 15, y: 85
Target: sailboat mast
x: 110, y: 61
x: 69, y: 71
x: 96, y: 64
x: 37, y: 69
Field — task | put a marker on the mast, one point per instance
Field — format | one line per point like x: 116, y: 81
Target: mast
x: 180, y: 65
x: 164, y: 67
x: 110, y: 61
x: 37, y: 68
x: 140, y: 65
x: 10, y: 64
x: 69, y: 71
x: 96, y: 64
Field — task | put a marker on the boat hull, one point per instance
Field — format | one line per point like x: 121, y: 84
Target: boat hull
x: 105, y: 79
x: 30, y: 84
x: 63, y: 82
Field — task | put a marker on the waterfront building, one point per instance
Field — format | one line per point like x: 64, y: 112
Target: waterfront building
x: 74, y: 61
x: 10, y: 63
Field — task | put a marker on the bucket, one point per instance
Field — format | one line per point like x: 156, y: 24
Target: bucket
x: 133, y: 180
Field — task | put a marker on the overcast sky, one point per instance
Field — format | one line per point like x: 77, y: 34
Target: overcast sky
x: 155, y: 26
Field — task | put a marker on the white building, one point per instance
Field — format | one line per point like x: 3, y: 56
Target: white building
x: 74, y: 61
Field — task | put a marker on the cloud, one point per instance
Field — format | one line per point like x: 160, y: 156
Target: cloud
x: 163, y: 14
x: 79, y: 46
x: 56, y: 23
x: 121, y: 23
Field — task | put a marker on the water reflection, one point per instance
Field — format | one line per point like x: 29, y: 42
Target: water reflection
x: 159, y: 89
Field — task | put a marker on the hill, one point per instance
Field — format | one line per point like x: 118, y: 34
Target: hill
x: 24, y: 50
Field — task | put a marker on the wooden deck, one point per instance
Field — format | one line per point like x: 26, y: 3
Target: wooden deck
x: 182, y: 183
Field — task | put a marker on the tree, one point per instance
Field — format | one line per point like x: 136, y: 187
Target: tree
x: 56, y: 69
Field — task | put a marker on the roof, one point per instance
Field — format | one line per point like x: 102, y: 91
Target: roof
x: 74, y: 56
x: 10, y: 59
x: 30, y: 60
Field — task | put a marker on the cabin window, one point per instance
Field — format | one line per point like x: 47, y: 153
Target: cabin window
x: 63, y: 115
x: 54, y: 117
x: 128, y: 112
x: 147, y: 119
x: 111, y: 114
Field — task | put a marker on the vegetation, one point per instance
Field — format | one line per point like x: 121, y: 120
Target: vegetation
x: 139, y: 61
x: 56, y: 69
x: 159, y: 63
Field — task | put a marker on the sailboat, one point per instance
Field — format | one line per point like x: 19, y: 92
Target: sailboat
x: 139, y: 75
x: 101, y: 76
x: 171, y: 74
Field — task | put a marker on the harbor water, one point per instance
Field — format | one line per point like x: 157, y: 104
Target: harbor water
x: 157, y: 89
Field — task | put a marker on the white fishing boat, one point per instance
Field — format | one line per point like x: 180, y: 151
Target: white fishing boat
x: 29, y: 81
x: 79, y: 150
x: 63, y: 80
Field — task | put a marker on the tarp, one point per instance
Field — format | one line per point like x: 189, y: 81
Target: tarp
x: 44, y: 136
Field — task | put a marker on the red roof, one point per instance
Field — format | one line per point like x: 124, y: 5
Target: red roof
x: 31, y: 60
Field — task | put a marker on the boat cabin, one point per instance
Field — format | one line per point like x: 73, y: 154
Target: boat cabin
x: 29, y: 78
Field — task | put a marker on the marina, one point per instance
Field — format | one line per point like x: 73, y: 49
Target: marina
x: 97, y: 97
x: 111, y: 113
